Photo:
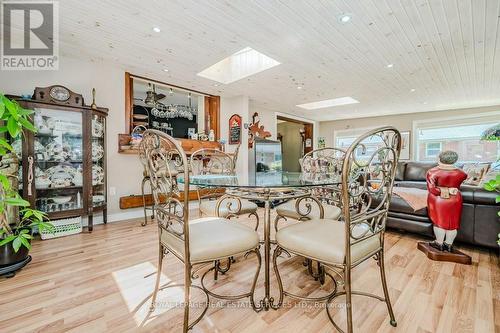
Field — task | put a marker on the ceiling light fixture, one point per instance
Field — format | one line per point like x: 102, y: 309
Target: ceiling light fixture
x: 390, y: 65
x: 412, y: 90
x: 239, y: 65
x: 299, y: 87
x: 156, y: 29
x: 216, y: 84
x: 165, y: 69
x: 344, y: 18
x: 328, y: 103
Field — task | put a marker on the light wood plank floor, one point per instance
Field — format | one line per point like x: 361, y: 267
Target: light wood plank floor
x: 99, y: 283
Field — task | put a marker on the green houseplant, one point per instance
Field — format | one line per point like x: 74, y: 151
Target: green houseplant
x: 493, y: 185
x: 15, y: 233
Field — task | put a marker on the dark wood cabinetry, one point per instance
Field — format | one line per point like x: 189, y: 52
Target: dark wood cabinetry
x: 63, y: 169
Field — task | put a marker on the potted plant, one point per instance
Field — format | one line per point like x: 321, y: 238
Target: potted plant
x: 17, y: 220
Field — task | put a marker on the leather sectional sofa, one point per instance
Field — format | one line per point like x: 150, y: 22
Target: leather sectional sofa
x: 480, y: 223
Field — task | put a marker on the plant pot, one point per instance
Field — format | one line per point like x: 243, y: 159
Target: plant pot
x: 9, y: 257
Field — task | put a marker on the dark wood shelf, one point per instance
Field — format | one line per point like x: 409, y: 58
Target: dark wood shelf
x: 42, y: 161
x: 188, y: 145
x: 59, y: 188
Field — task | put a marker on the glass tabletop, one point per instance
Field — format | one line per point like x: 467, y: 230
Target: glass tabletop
x: 266, y: 180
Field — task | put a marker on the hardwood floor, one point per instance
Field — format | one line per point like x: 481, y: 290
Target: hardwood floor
x: 99, y: 283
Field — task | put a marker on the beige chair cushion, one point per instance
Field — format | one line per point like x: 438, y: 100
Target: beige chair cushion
x: 324, y: 240
x: 288, y: 210
x: 212, y: 238
x: 208, y: 207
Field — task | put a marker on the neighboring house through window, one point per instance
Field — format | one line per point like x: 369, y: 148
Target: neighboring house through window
x: 432, y: 149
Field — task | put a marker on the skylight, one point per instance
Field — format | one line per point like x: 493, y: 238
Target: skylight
x: 239, y: 65
x: 328, y: 103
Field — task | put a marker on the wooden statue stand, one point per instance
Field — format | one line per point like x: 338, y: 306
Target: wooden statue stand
x: 454, y: 256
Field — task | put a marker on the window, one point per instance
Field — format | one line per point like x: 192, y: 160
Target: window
x: 370, y: 145
x: 462, y: 136
x: 432, y: 149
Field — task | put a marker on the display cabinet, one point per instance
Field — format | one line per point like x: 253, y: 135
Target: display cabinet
x: 63, y: 169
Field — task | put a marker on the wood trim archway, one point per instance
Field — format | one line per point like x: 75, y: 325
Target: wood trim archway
x: 212, y: 104
x: 308, y: 127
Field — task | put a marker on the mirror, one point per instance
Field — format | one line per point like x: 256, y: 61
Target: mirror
x: 179, y: 112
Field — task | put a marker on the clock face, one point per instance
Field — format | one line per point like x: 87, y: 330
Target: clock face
x: 59, y: 93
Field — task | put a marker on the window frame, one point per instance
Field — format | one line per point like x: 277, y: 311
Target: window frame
x: 427, y: 148
x: 463, y: 120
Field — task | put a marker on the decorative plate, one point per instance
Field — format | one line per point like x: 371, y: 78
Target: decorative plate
x: 97, y: 128
x: 97, y: 152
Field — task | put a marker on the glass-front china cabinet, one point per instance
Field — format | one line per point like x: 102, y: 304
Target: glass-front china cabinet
x: 63, y: 169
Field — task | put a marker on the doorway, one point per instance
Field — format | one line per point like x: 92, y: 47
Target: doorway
x: 296, y: 139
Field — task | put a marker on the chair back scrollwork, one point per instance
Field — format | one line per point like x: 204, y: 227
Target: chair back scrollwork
x: 164, y: 159
x: 319, y: 162
x: 210, y: 161
x: 368, y: 171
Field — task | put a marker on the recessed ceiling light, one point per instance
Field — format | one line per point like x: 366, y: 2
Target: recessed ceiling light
x: 424, y: 103
x: 345, y: 18
x: 216, y: 84
x: 299, y: 87
x: 156, y: 29
x: 328, y: 103
x: 390, y: 65
x: 412, y: 90
x: 239, y: 65
x: 165, y: 69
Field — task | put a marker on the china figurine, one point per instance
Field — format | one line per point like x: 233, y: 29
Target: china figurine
x: 444, y: 200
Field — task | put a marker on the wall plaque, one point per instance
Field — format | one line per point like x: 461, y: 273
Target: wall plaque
x: 235, y: 129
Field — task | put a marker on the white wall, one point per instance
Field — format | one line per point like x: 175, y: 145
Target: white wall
x: 228, y: 107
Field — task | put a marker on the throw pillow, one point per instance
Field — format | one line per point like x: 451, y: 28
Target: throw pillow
x: 475, y: 172
x: 492, y: 173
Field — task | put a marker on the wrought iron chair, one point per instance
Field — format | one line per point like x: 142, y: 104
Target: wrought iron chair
x: 193, y: 242
x: 146, y: 180
x: 358, y: 235
x: 209, y: 161
x: 319, y: 161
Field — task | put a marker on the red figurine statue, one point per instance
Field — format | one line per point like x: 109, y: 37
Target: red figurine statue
x: 444, y: 201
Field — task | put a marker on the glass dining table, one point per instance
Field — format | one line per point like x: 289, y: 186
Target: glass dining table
x: 267, y: 187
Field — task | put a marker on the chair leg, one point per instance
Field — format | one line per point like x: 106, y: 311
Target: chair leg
x: 348, y: 298
x: 277, y: 252
x: 187, y: 290
x: 384, y: 286
x: 144, y: 180
x: 161, y: 253
x: 257, y: 218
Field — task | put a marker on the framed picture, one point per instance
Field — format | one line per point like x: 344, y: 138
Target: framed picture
x: 405, y: 146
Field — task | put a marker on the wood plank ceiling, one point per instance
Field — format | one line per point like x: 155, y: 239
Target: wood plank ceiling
x: 445, y: 53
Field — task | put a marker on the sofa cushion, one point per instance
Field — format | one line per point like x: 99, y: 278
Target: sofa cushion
x: 483, y: 197
x: 417, y: 170
x: 492, y: 173
x: 414, y: 184
x: 475, y: 172
x: 401, y: 206
x: 400, y: 171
